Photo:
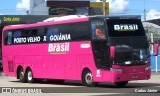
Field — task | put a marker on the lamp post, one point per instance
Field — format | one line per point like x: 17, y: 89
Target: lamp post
x: 144, y: 10
x: 104, y: 6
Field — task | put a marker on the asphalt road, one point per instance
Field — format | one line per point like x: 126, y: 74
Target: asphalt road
x: 72, y: 88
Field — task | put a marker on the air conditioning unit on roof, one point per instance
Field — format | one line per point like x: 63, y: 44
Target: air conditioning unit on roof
x: 60, y: 18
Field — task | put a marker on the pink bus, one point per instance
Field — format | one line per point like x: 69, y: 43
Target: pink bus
x: 92, y: 49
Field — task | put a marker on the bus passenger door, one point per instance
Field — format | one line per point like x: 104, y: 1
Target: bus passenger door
x: 99, y: 44
x: 101, y: 54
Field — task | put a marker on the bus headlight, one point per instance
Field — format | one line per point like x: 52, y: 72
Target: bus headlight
x: 148, y: 68
x: 127, y: 62
x: 116, y: 70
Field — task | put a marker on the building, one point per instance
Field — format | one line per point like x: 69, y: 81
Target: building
x: 67, y: 7
x: 97, y: 8
x: 59, y: 7
x: 153, y: 26
x: 38, y: 7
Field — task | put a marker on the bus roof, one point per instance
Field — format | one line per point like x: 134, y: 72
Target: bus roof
x: 118, y: 17
x: 68, y: 17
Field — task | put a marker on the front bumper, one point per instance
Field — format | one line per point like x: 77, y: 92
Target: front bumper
x: 118, y: 77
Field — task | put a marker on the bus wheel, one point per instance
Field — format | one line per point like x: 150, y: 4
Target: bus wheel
x: 121, y: 84
x: 87, y: 79
x: 22, y: 76
x: 30, y: 78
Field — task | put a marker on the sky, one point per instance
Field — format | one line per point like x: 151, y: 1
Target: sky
x: 116, y: 7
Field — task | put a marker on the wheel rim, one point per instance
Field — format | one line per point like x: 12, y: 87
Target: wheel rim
x: 30, y: 76
x: 89, y: 78
x: 21, y: 75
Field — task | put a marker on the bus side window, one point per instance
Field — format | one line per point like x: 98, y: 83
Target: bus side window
x: 51, y: 32
x: 9, y: 35
x: 17, y: 34
x: 93, y: 26
x: 41, y: 33
x: 33, y: 32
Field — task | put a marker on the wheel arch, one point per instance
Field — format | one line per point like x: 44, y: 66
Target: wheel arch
x: 18, y: 69
x: 84, y: 69
x: 27, y: 68
x: 92, y: 83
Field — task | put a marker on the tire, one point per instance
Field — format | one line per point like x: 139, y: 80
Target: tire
x: 121, y: 84
x: 29, y: 76
x: 22, y: 76
x: 87, y: 79
x: 55, y: 81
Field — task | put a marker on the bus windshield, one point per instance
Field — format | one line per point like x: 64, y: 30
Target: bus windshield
x: 125, y: 27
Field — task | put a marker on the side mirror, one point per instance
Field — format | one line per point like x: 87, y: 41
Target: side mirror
x: 112, y: 52
x: 155, y: 46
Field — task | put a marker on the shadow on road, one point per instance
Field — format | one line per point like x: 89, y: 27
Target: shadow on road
x: 100, y: 85
x: 112, y: 85
x: 131, y: 94
x: 129, y: 85
x: 77, y: 87
x: 1, y: 72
